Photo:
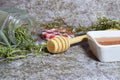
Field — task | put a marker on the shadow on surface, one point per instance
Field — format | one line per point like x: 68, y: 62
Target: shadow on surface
x: 84, y: 44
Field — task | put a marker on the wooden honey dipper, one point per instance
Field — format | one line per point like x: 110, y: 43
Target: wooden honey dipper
x: 60, y: 44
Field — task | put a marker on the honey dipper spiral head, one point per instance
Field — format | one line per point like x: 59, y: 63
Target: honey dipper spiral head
x: 58, y: 44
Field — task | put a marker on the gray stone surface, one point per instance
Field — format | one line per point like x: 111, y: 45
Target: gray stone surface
x: 78, y: 62
x: 75, y: 12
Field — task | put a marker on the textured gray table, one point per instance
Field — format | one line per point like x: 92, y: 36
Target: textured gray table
x: 77, y: 63
x: 74, y: 12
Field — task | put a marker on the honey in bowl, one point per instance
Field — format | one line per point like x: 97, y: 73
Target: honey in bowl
x: 108, y: 40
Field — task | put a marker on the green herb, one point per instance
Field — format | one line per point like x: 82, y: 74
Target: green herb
x: 57, y: 23
x: 102, y: 23
x: 22, y: 37
x: 23, y: 46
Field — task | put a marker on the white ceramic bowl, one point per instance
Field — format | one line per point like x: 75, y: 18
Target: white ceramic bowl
x: 104, y: 53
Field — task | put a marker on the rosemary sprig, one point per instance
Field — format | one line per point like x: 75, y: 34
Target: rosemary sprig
x: 102, y: 23
x: 23, y: 47
x: 57, y: 23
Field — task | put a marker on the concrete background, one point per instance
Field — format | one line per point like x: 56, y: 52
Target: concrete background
x: 74, y: 12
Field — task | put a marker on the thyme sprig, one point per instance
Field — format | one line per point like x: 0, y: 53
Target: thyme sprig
x: 23, y: 47
x: 102, y: 23
x: 57, y: 23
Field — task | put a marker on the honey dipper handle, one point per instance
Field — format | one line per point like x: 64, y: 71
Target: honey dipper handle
x: 77, y: 39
